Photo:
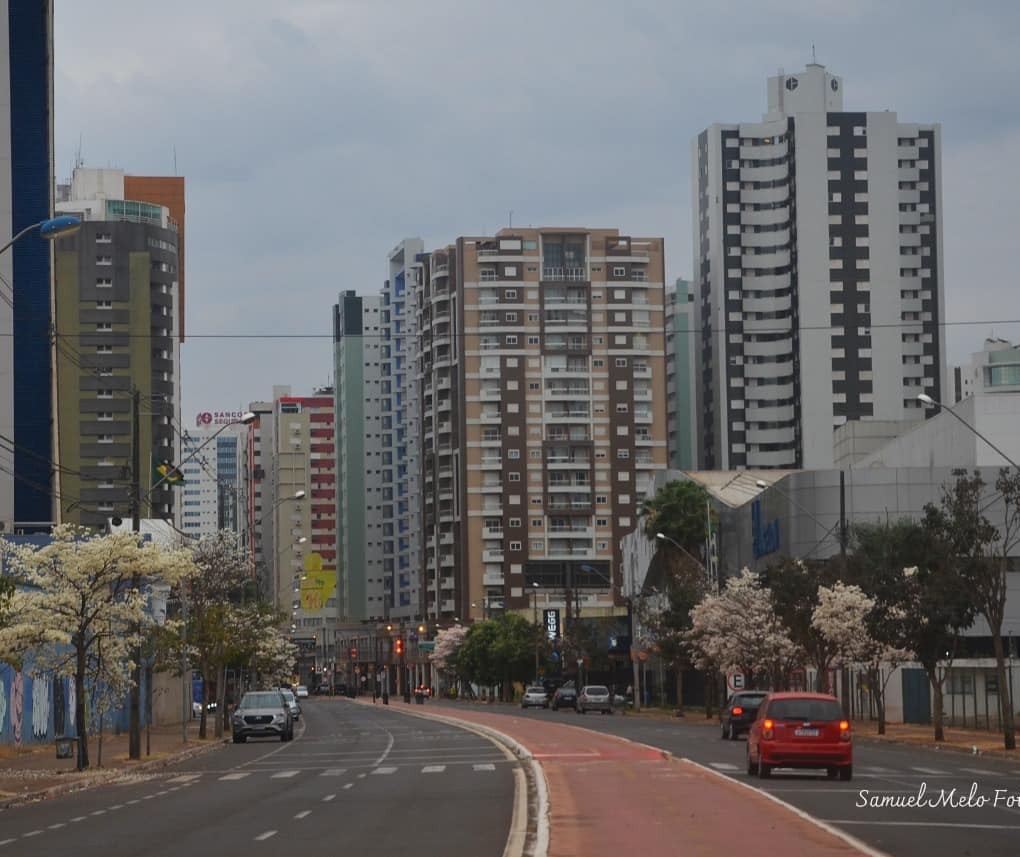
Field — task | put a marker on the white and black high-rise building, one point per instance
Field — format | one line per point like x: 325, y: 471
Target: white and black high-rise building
x: 818, y: 270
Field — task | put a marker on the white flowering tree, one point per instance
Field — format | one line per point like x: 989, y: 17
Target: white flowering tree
x: 846, y: 617
x: 737, y: 630
x: 449, y: 642
x: 76, y: 610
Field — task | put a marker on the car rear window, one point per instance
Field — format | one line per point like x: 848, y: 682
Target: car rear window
x: 805, y: 709
x: 540, y: 690
x: 597, y: 690
x: 751, y: 699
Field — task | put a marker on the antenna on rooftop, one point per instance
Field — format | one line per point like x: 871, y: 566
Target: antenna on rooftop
x: 175, y: 160
x: 814, y: 59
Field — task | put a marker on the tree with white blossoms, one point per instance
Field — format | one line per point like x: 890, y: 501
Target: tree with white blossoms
x: 449, y: 642
x: 737, y: 630
x: 845, y: 616
x: 74, y: 597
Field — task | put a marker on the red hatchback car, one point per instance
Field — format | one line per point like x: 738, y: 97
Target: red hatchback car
x: 800, y: 730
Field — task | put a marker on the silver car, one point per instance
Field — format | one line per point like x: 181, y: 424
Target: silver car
x: 535, y: 696
x: 594, y: 697
x: 295, y: 707
x: 262, y: 713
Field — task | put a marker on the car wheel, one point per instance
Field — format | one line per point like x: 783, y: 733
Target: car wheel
x: 731, y: 732
x: 751, y: 767
x: 523, y: 705
x: 238, y: 739
x: 832, y: 772
x: 723, y: 732
x: 764, y: 770
x: 846, y: 773
x: 555, y: 708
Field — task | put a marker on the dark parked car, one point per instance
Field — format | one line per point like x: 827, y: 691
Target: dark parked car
x: 740, y: 712
x: 800, y: 730
x: 565, y: 697
x: 262, y: 713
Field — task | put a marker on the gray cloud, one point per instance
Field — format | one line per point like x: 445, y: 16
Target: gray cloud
x: 316, y: 134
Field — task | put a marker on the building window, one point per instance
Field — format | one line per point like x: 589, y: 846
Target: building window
x: 515, y: 546
x: 104, y: 417
x: 511, y: 340
x: 513, y: 477
x: 104, y: 283
x: 104, y: 260
x: 510, y: 294
x: 515, y: 522
x: 601, y: 500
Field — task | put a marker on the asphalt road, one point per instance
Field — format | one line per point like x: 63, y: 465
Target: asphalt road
x: 355, y: 780
x: 880, y: 769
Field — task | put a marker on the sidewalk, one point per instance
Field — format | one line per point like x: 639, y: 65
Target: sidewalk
x: 33, y: 772
x: 608, y: 795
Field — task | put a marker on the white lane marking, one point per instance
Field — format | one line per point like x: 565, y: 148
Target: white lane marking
x: 362, y: 776
x: 981, y: 772
x: 184, y: 778
x: 876, y: 769
x: 333, y: 772
x: 30, y: 834
x: 131, y: 802
x: 349, y: 786
x: 7, y: 841
x: 932, y: 771
x: 58, y: 825
x: 724, y: 766
x: 962, y: 825
x: 433, y: 769
x: 79, y: 818
x: 384, y: 770
x: 148, y: 797
x: 265, y: 835
x: 303, y: 814
x: 484, y: 767
x: 116, y: 806
x: 98, y: 812
x: 328, y: 798
x: 285, y: 775
x: 386, y: 752
x: 237, y: 775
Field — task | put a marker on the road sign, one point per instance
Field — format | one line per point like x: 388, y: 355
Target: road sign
x: 735, y: 681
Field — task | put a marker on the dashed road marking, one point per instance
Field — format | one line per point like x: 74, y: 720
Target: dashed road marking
x: 328, y: 798
x: 98, y: 812
x: 724, y: 766
x: 349, y: 786
x: 237, y: 775
x: 933, y: 771
x: 78, y: 818
x: 486, y: 767
x: 30, y: 834
x: 184, y: 778
x: 979, y: 771
x: 303, y: 814
x: 386, y: 770
x: 433, y: 769
x: 58, y: 825
x: 877, y: 769
x: 334, y: 772
x: 285, y: 775
x: 265, y: 835
x: 7, y: 841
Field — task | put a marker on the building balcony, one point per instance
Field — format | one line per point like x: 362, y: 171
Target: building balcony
x: 492, y: 555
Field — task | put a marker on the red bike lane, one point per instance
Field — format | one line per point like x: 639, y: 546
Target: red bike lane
x: 608, y: 795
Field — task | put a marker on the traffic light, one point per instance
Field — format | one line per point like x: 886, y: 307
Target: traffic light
x: 400, y: 645
x: 354, y: 653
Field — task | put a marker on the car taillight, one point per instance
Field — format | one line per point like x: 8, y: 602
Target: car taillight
x: 767, y: 731
x: 738, y: 710
x: 844, y: 730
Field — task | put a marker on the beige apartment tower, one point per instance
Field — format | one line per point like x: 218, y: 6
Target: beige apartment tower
x: 543, y: 417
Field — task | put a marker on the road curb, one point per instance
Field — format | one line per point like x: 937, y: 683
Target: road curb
x: 104, y: 776
x: 517, y: 842
x: 1002, y: 755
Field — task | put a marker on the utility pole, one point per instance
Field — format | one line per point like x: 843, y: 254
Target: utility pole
x: 134, y: 706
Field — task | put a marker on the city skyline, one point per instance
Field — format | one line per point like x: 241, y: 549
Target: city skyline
x: 317, y: 186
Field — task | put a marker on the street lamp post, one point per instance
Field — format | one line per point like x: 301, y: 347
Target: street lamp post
x: 534, y: 592
x: 50, y: 229
x: 928, y: 400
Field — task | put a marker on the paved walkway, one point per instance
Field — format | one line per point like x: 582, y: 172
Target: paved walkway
x: 34, y: 771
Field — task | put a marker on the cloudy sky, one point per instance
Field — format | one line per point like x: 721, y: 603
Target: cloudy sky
x: 315, y: 134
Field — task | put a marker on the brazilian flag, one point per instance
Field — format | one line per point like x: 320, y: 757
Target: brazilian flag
x: 168, y: 473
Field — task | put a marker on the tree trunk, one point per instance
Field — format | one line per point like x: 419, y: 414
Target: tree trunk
x: 878, y: 695
x: 221, y: 700
x: 204, y: 672
x: 79, y: 710
x: 680, y: 688
x: 937, y: 705
x: 709, y: 693
x: 1005, y: 698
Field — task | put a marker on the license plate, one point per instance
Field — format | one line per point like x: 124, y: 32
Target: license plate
x: 806, y: 733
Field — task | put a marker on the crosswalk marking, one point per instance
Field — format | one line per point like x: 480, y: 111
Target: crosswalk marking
x: 285, y: 775
x: 933, y: 771
x: 384, y: 770
x: 433, y: 769
x: 334, y: 772
x: 485, y: 767
x: 238, y: 775
x: 723, y: 766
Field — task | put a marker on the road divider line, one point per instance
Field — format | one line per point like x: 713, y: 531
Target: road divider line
x: 285, y: 775
x: 264, y: 836
x: 303, y: 814
x: 828, y: 827
x: 349, y: 786
x: 933, y: 771
x: 58, y: 825
x: 30, y: 834
x: 328, y: 798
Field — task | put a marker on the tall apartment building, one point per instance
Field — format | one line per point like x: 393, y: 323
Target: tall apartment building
x: 259, y: 494
x: 26, y: 196
x: 116, y: 318
x: 543, y: 416
x: 681, y: 391
x: 363, y: 590
x: 401, y: 431
x: 212, y: 462
x: 818, y: 270
x: 304, y: 459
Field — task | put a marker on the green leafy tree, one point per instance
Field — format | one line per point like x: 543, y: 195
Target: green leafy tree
x: 679, y: 510
x: 794, y: 585
x: 979, y: 552
x: 501, y: 651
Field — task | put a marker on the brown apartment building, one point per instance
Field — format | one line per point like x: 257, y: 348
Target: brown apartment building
x: 543, y: 417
